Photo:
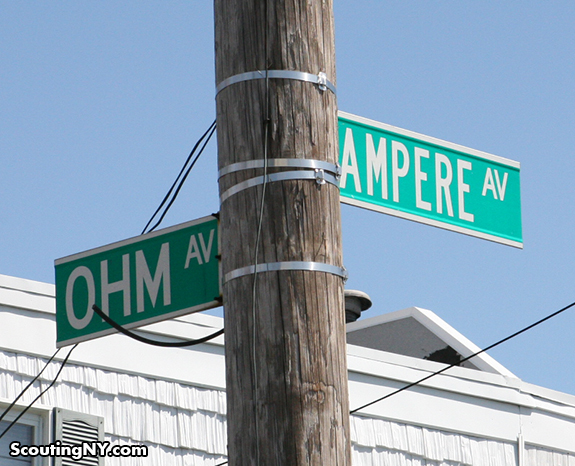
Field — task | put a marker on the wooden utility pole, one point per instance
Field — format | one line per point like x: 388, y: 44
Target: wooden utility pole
x: 286, y: 371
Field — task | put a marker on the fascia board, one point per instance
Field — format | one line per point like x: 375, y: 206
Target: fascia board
x: 29, y: 286
x: 548, y: 399
x: 171, y: 332
x: 30, y: 301
x: 458, y: 341
x: 404, y: 369
x: 186, y: 329
x: 200, y: 318
x: 36, y: 336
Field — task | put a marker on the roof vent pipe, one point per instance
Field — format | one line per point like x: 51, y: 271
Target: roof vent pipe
x: 355, y: 303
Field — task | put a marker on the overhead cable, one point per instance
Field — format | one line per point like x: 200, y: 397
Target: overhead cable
x: 41, y: 393
x: 7, y: 410
x: 165, y: 344
x: 413, y: 384
x: 180, y: 179
x: 175, y: 189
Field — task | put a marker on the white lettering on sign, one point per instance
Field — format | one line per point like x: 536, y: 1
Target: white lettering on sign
x: 376, y: 164
x: 85, y: 273
x: 501, y: 186
x: 463, y: 188
x: 144, y: 280
x: 419, y: 178
x: 396, y: 171
x: 144, y: 277
x: 349, y: 162
x: 122, y: 285
x: 430, y: 169
x: 194, y: 250
x: 442, y: 184
x: 489, y: 184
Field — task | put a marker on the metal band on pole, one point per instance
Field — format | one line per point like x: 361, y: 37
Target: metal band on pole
x: 279, y: 163
x: 320, y: 79
x: 318, y: 175
x: 290, y: 265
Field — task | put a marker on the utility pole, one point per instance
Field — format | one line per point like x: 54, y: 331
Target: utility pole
x: 286, y: 370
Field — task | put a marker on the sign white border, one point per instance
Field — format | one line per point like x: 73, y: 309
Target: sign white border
x: 430, y: 140
x: 441, y: 143
x: 151, y: 320
x: 135, y: 239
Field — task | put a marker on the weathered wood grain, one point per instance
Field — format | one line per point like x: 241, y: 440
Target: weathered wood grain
x: 286, y: 370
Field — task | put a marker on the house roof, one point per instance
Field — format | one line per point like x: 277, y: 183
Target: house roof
x: 422, y: 334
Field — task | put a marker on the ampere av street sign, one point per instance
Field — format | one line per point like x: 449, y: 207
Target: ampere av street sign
x: 420, y: 178
x: 138, y: 281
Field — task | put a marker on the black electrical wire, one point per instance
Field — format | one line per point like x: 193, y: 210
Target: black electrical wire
x: 212, y: 126
x: 7, y: 410
x: 41, y: 393
x: 185, y: 172
x: 165, y: 344
x: 183, y: 181
x: 413, y: 384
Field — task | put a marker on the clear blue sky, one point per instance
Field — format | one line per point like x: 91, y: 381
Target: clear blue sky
x: 100, y: 103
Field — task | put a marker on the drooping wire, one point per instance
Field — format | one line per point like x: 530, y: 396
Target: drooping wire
x: 165, y: 344
x: 41, y: 393
x: 180, y: 179
x: 29, y: 385
x: 413, y: 384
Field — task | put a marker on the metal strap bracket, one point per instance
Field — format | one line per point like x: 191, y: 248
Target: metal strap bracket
x: 282, y: 176
x: 320, y: 79
x: 319, y: 176
x: 289, y: 265
x: 281, y: 163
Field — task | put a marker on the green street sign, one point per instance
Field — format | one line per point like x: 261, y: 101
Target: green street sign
x: 138, y: 281
x: 420, y: 178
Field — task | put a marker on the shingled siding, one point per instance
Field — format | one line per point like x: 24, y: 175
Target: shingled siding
x: 185, y: 425
x: 182, y: 425
x: 537, y: 456
x: 378, y: 442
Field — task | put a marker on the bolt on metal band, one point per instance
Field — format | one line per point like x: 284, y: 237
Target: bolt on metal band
x: 279, y: 163
x: 289, y: 265
x: 317, y: 174
x: 320, y: 79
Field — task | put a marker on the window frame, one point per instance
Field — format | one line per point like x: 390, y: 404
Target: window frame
x: 38, y: 419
